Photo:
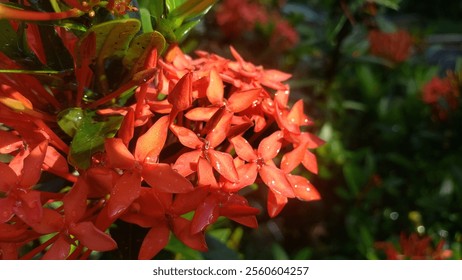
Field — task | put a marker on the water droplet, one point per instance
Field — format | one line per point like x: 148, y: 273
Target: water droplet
x: 295, y: 186
x: 308, y: 189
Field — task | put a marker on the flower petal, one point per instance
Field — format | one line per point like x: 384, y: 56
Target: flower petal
x: 56, y: 161
x: 187, y: 137
x: 276, y: 180
x: 247, y: 176
x: 186, y: 164
x: 9, y: 142
x: 239, y: 101
x: 310, y: 162
x: 125, y: 191
x: 59, y: 250
x: 270, y: 146
x: 118, y: 154
x: 161, y: 177
x: 243, y: 149
x: 215, y: 88
x: 181, y: 95
x: 224, y: 164
x: 154, y: 241
x: 207, y: 213
x: 205, y: 175
x: 303, y: 189
x: 92, y: 237
x: 292, y: 159
x: 152, y: 141
x: 75, y: 201
x: 9, y: 178
x: 33, y: 165
x: 6, y: 209
x: 201, y: 113
x: 182, y: 230
x: 218, y: 133
x: 275, y: 203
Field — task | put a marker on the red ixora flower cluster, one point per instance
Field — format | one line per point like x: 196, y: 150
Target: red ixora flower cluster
x: 414, y: 247
x: 194, y: 134
x: 235, y: 17
x: 394, y: 46
x: 442, y: 94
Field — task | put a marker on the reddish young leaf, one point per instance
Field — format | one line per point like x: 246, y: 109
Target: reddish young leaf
x: 154, y: 241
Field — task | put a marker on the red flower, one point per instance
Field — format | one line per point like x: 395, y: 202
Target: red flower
x: 395, y: 46
x: 442, y: 94
x: 415, y: 248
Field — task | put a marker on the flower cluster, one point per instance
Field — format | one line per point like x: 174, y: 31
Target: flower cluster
x: 238, y: 17
x: 394, y: 46
x: 413, y: 247
x: 442, y: 94
x: 178, y: 135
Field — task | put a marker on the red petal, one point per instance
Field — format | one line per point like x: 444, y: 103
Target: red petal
x: 312, y: 140
x: 239, y: 101
x: 297, y: 116
x: 51, y: 221
x: 185, y: 203
x: 75, y: 202
x: 205, y: 175
x: 6, y: 209
x: 293, y: 158
x: 161, y: 177
x: 55, y: 160
x: 303, y: 189
x: 182, y: 230
x: 33, y: 165
x: 187, y: 137
x: 186, y: 164
x: 224, y: 164
x: 59, y: 250
x: 9, y: 178
x: 154, y: 241
x: 181, y: 95
x: 118, y: 154
x: 270, y: 146
x: 310, y: 162
x: 9, y: 142
x: 247, y: 176
x: 215, y: 88
x: 248, y: 221
x: 243, y: 149
x: 201, y: 113
x: 29, y: 207
x: 276, y: 180
x: 125, y: 191
x: 207, y: 213
x: 219, y: 132
x: 92, y: 238
x: 152, y: 142
x: 127, y: 127
x: 275, y: 203
x: 34, y: 41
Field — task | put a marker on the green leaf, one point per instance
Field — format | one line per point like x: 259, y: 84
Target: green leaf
x: 173, y: 4
x: 191, y: 9
x: 90, y: 136
x: 70, y: 120
x: 8, y: 39
x: 392, y: 4
x: 181, y: 32
x: 155, y: 7
x: 140, y: 48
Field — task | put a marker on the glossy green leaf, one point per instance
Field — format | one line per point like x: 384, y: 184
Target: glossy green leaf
x: 140, y: 48
x: 192, y: 8
x: 90, y: 136
x: 173, y: 4
x: 154, y: 7
x: 181, y: 32
x: 70, y: 120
